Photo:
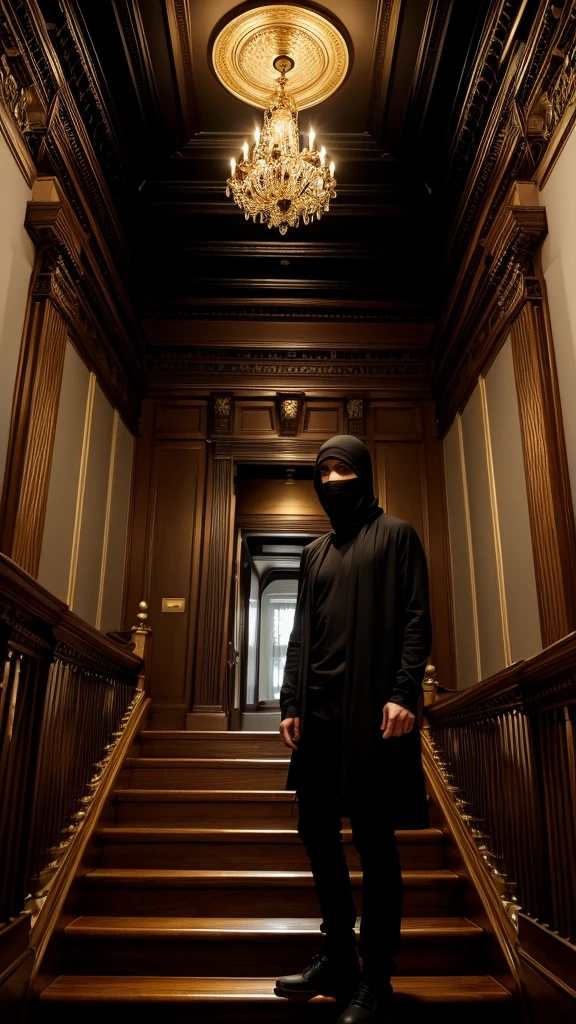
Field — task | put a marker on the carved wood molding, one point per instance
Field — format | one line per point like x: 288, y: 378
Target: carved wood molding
x: 521, y: 105
x: 400, y: 369
x: 385, y: 40
x: 60, y: 122
x: 180, y: 28
x: 504, y: 278
x: 22, y: 111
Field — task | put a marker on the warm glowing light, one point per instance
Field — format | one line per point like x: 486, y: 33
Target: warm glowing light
x: 279, y: 184
x: 332, y: 168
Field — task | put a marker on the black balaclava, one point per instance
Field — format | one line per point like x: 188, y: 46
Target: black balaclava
x: 348, y: 503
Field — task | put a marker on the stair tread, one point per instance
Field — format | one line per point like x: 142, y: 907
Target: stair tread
x: 188, y: 878
x: 228, y: 735
x: 181, y: 927
x: 145, y: 833
x: 106, y: 988
x: 204, y: 762
x: 284, y: 796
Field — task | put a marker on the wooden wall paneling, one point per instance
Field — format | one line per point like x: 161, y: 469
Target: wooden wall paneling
x: 400, y: 478
x: 210, y: 672
x: 255, y: 418
x: 546, y: 469
x: 174, y: 533
x: 485, y: 540
x: 408, y: 481
x: 397, y: 421
x: 465, y: 616
x: 180, y: 419
x: 323, y: 419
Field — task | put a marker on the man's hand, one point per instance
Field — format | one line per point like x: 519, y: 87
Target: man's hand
x: 396, y: 720
x: 290, y: 732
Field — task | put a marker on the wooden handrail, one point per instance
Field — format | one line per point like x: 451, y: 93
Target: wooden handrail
x: 553, y: 666
x: 65, y: 692
x: 507, y: 746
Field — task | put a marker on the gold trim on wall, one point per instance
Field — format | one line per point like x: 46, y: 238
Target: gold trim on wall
x: 109, y: 495
x: 495, y: 521
x: 469, y: 540
x: 81, y: 489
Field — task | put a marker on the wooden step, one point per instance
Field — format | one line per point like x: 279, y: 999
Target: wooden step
x: 205, y: 773
x: 248, y: 999
x: 245, y: 848
x: 207, y: 808
x: 189, y: 893
x: 182, y: 743
x: 250, y: 946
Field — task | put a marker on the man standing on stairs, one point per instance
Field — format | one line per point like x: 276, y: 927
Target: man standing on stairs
x: 353, y: 676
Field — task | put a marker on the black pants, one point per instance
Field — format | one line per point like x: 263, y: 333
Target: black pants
x: 319, y: 825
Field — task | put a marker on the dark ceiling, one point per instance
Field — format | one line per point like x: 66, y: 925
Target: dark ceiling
x: 394, y: 129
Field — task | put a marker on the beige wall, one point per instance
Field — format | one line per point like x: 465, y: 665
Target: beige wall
x: 559, y: 265
x: 16, y: 263
x: 84, y: 542
x: 494, y: 588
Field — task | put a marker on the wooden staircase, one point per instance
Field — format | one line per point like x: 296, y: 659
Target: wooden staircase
x: 202, y: 898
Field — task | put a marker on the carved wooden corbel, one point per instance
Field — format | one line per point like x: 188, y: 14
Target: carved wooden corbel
x: 290, y: 409
x: 22, y: 110
x: 356, y: 414
x: 222, y: 414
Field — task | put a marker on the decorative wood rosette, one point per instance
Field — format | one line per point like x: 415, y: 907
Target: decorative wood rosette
x: 245, y: 48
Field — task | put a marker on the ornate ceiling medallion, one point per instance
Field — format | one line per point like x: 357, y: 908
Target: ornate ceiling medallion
x: 244, y: 51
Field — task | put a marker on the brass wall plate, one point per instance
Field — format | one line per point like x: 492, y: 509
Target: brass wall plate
x: 173, y: 604
x: 244, y: 51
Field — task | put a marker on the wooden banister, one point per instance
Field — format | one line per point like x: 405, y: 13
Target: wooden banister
x: 508, y: 744
x: 66, y: 692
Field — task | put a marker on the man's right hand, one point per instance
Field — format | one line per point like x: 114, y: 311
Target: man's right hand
x: 290, y: 732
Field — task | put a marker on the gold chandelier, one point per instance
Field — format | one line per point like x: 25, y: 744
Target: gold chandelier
x: 277, y: 183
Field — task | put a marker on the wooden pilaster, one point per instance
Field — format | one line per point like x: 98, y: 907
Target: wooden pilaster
x: 207, y: 711
x: 53, y: 304
x: 546, y: 470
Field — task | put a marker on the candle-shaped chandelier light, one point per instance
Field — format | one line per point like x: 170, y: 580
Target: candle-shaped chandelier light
x: 277, y: 183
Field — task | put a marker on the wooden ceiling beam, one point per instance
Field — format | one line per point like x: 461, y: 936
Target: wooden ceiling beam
x: 180, y: 27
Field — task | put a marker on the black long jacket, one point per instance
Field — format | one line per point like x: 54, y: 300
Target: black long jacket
x: 388, y: 639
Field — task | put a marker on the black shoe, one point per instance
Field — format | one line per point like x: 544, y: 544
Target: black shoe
x: 324, y: 975
x: 368, y: 1006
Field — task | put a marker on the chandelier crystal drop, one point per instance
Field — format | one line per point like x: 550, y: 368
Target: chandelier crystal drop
x: 278, y: 184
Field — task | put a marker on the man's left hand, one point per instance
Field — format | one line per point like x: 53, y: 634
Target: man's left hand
x: 396, y: 720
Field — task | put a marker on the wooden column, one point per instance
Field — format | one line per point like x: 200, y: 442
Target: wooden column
x: 546, y: 469
x: 52, y: 305
x: 210, y: 678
